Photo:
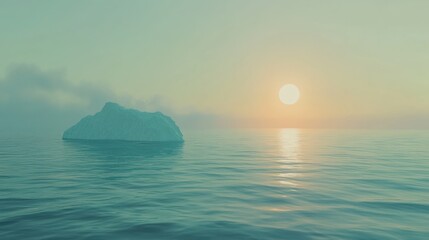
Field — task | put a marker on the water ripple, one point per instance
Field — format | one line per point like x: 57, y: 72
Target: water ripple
x: 223, y: 184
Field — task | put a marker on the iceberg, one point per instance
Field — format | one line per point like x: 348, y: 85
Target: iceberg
x: 115, y: 122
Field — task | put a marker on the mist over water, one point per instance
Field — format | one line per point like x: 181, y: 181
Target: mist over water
x: 219, y: 184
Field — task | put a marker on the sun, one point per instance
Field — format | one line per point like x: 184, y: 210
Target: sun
x: 289, y: 94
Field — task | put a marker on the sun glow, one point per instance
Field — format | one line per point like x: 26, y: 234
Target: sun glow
x: 289, y: 94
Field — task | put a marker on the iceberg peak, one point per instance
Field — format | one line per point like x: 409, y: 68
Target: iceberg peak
x: 111, y: 106
x: 115, y: 122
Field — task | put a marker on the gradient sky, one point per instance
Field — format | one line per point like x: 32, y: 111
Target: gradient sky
x: 357, y: 63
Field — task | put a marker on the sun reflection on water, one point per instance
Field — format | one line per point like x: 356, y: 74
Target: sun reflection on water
x: 290, y: 162
x: 289, y: 140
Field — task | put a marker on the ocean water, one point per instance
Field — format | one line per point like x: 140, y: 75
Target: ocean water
x: 219, y: 184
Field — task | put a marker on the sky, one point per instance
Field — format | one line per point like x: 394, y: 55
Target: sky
x: 358, y: 64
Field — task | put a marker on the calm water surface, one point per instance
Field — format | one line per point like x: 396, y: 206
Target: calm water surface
x: 228, y: 184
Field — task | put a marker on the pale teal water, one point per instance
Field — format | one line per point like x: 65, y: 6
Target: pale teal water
x: 250, y: 184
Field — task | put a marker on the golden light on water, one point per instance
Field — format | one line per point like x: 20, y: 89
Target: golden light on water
x: 289, y: 144
x: 288, y: 167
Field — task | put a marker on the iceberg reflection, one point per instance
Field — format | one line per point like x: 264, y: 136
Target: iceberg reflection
x: 125, y: 149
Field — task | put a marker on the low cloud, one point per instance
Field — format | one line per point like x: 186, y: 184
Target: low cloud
x: 37, y: 102
x: 27, y: 83
x: 34, y: 102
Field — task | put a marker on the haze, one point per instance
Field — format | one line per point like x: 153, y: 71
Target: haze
x: 358, y: 64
